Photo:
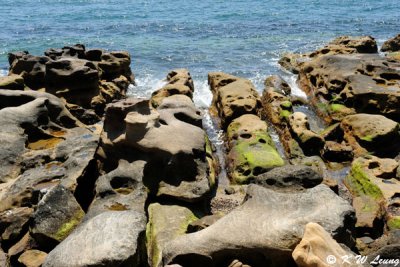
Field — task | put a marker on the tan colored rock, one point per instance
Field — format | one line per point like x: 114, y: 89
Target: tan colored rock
x: 371, y: 133
x: 310, y: 142
x: 32, y: 258
x: 232, y: 97
x: 12, y: 82
x: 179, y: 81
x: 317, y: 247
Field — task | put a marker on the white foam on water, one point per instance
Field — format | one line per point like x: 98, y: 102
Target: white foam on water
x: 202, y: 94
x: 145, y: 85
x: 296, y: 91
x: 3, y: 72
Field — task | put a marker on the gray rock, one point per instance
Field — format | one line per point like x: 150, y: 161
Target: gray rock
x: 385, y: 257
x: 264, y: 230
x: 169, y: 139
x: 120, y: 189
x: 42, y: 145
x: 112, y: 238
x: 290, y: 177
x: 56, y: 216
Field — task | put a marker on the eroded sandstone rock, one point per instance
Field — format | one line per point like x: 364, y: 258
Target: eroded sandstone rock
x: 317, y: 246
x: 374, y: 188
x: 391, y: 45
x: 232, y: 97
x: 179, y: 81
x: 264, y: 230
x: 251, y: 149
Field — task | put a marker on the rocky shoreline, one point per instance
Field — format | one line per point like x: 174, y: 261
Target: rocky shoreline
x: 93, y: 177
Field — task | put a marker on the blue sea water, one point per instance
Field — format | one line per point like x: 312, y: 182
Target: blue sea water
x: 245, y: 38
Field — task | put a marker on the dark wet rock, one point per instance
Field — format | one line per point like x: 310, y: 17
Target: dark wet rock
x: 337, y: 152
x: 251, y: 150
x: 391, y: 45
x: 166, y: 222
x: 57, y: 215
x: 32, y: 258
x: 264, y: 230
x: 310, y: 142
x: 232, y: 97
x: 12, y: 82
x: 14, y: 224
x: 179, y: 81
x: 371, y: 133
x: 120, y: 189
x: 42, y: 145
x: 112, y: 238
x: 290, y: 178
x: 341, y: 85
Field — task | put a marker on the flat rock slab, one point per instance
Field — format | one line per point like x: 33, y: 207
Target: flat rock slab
x: 264, y: 230
x: 109, y: 239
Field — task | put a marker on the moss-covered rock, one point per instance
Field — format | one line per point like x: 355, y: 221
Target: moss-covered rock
x: 374, y: 188
x: 251, y: 149
x: 58, y: 213
x: 166, y: 222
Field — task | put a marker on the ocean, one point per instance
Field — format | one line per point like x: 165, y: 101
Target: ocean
x: 244, y: 38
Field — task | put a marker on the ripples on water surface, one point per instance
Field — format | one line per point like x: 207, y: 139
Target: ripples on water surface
x: 244, y: 38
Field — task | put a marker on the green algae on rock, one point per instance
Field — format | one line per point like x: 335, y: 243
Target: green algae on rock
x: 251, y: 150
x: 165, y: 223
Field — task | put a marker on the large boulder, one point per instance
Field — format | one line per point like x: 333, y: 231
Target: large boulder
x: 112, y: 238
x: 340, y: 85
x: 107, y: 75
x: 391, y: 45
x: 232, y: 97
x: 368, y: 133
x: 342, y: 45
x: 42, y: 145
x: 251, y: 149
x: 171, y: 141
x: 264, y: 230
